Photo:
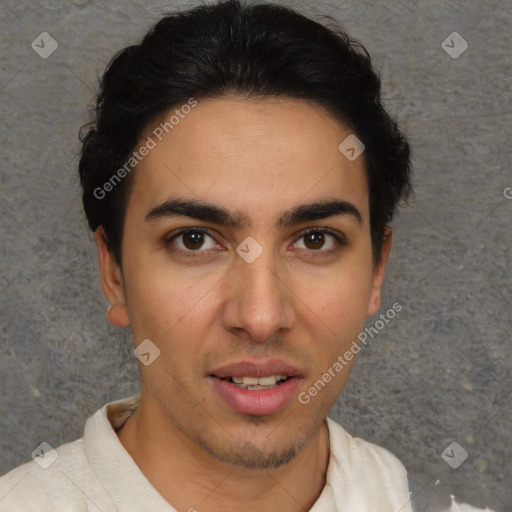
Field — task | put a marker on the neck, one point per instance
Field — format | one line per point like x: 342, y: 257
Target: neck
x: 190, y: 479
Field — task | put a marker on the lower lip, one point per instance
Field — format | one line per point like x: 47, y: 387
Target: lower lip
x: 258, y: 402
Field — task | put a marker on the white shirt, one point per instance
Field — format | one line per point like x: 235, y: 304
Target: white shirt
x: 96, y: 474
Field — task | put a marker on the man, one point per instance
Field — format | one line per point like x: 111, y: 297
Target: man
x: 240, y: 178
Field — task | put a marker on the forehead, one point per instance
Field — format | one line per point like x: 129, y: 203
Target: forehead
x: 249, y: 155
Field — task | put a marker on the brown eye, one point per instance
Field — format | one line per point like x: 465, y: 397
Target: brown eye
x: 320, y: 240
x: 193, y: 240
x: 314, y: 240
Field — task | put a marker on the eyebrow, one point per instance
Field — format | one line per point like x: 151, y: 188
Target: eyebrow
x: 209, y: 212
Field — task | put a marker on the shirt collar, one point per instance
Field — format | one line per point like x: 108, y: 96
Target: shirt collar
x: 132, y: 492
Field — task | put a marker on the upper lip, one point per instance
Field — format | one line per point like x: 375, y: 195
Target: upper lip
x: 256, y: 369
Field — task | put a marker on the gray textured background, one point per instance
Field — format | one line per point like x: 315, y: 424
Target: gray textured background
x: 439, y: 372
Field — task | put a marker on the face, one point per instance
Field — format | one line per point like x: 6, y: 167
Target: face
x: 247, y: 255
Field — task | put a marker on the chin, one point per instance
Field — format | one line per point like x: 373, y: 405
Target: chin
x: 249, y: 456
x: 270, y: 449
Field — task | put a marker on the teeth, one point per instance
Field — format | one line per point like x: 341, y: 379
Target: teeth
x: 269, y: 380
x: 250, y: 381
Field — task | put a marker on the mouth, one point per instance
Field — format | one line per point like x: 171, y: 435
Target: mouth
x: 255, y: 383
x: 256, y: 388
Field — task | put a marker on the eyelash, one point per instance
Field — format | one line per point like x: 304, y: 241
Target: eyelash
x: 340, y: 241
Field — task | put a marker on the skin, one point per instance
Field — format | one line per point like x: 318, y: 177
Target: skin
x: 295, y: 302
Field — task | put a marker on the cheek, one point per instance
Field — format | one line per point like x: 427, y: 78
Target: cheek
x: 339, y: 300
x: 164, y: 304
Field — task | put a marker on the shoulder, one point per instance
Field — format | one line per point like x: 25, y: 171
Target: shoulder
x: 365, y: 457
x: 75, y: 476
x: 381, y: 476
x: 47, y: 483
x: 365, y: 476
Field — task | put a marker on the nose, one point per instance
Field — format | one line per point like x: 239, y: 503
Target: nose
x: 259, y: 303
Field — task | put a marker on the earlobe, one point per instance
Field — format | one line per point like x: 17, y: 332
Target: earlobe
x: 111, y: 281
x: 118, y: 315
x: 379, y: 271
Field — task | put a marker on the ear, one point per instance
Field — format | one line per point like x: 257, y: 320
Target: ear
x: 111, y: 281
x: 379, y: 271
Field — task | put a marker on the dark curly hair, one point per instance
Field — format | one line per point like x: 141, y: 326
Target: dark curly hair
x: 260, y: 50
